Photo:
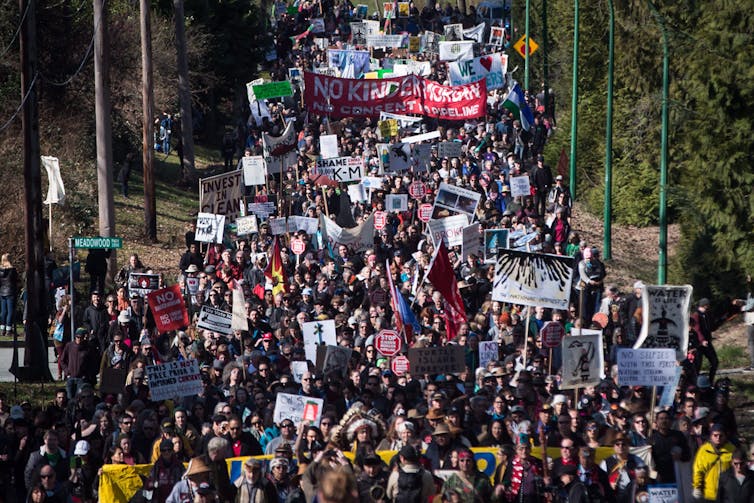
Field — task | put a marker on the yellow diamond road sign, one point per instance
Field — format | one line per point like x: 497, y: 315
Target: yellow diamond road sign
x: 520, y: 46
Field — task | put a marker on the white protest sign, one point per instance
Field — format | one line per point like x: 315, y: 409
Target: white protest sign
x: 215, y: 320
x: 297, y: 408
x: 390, y: 41
x: 298, y: 369
x: 262, y: 210
x: 520, y: 186
x: 448, y: 229
x: 317, y: 333
x: 646, y: 367
x: 357, y: 192
x: 422, y: 157
x: 254, y: 171
x: 532, y: 279
x: 174, y: 379
x: 372, y: 182
x: 453, y: 32
x: 583, y: 361
x: 667, y: 398
x: 449, y: 149
x: 396, y: 202
x: 663, y: 493
x: 277, y: 226
x: 246, y: 225
x: 356, y: 239
x: 451, y: 200
x: 328, y: 146
x: 210, y: 228
x: 491, y: 67
x: 306, y: 224
x: 341, y: 169
x: 488, y: 352
x: 239, y: 321
x: 399, y: 156
x: 221, y: 194
x: 665, y: 318
x: 421, y: 137
x: 453, y: 51
x: 471, y: 243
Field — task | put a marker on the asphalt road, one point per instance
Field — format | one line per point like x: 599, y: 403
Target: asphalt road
x: 6, y: 358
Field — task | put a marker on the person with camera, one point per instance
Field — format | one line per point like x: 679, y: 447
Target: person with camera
x: 409, y: 482
x: 372, y: 480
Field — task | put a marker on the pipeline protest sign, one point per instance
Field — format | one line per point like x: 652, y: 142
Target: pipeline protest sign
x: 488, y: 352
x: 646, y: 367
x: 532, y: 279
x: 169, y: 309
x: 247, y: 225
x: 143, y: 283
x: 665, y: 318
x: 442, y: 360
x: 452, y: 200
x: 174, y: 379
x: 222, y: 194
x: 410, y: 94
x: 210, y: 228
x: 341, y: 169
x: 254, y: 170
x: 491, y: 67
x: 356, y: 239
x: 215, y: 320
x: 298, y: 408
x: 448, y: 229
x: 583, y: 361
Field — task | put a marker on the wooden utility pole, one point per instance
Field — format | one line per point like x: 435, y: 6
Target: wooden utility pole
x: 35, y: 354
x: 147, y: 140
x: 184, y: 94
x: 103, y: 126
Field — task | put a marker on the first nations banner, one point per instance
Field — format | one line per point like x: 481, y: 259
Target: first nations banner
x: 410, y: 94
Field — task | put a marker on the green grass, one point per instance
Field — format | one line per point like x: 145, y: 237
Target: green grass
x: 732, y: 356
x: 38, y: 394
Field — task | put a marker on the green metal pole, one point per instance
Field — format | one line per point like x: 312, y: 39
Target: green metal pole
x: 545, y: 64
x: 607, y: 246
x: 526, y: 48
x: 662, y: 265
x: 574, y: 98
x: 513, y: 32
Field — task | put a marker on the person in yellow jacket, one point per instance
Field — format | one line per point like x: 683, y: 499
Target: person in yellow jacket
x: 711, y: 460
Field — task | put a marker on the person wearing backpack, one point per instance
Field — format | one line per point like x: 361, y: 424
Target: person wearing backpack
x: 409, y: 482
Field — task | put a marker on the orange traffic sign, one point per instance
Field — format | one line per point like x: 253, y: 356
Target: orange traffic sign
x: 520, y: 46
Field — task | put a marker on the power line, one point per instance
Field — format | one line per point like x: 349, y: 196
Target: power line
x: 23, y: 102
x: 18, y: 30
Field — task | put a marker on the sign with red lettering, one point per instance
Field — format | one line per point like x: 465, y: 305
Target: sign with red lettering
x: 425, y: 212
x: 388, y: 343
x: 298, y: 246
x: 380, y: 220
x: 168, y: 308
x: 410, y: 94
x: 552, y: 333
x: 417, y: 190
x: 174, y: 380
x: 400, y: 365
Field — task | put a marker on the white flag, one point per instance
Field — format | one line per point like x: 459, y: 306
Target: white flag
x: 476, y: 33
x: 55, y: 188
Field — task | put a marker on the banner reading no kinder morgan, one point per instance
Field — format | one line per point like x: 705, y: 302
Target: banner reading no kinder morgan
x: 410, y: 94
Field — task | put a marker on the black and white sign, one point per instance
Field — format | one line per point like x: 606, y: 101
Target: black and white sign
x: 215, y: 320
x: 583, y: 362
x: 646, y: 367
x: 246, y: 225
x: 210, y: 228
x: 254, y: 170
x: 174, y: 379
x: 341, y: 169
x: 532, y: 279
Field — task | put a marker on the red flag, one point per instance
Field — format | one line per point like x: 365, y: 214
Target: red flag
x: 443, y: 278
x: 275, y: 272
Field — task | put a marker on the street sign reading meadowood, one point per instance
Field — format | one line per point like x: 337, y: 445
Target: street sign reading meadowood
x: 98, y: 242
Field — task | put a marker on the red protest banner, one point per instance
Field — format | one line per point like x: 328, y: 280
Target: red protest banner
x: 168, y: 308
x: 410, y: 94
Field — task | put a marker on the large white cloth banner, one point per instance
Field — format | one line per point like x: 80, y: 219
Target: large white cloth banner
x: 532, y: 279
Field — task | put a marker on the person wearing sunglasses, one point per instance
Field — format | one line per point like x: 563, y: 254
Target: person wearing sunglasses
x: 737, y: 482
x: 621, y: 466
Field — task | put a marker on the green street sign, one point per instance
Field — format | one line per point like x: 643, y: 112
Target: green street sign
x: 273, y: 90
x: 98, y: 242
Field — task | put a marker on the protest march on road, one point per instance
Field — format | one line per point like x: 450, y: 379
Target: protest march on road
x: 384, y: 301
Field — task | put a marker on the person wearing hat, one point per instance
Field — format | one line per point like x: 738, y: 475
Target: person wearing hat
x: 83, y: 472
x: 621, y: 466
x: 572, y: 488
x: 197, y: 473
x: 410, y: 482
x: 252, y: 486
x: 703, y: 323
x: 166, y: 471
x: 442, y: 445
x: 711, y: 460
x: 372, y: 480
x: 78, y: 362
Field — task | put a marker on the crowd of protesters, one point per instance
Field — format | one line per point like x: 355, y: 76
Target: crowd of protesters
x: 431, y: 422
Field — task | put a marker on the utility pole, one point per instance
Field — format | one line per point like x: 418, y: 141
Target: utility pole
x: 103, y: 126
x: 150, y: 206
x: 35, y: 354
x: 526, y: 47
x: 607, y: 246
x: 574, y: 100
x: 184, y: 94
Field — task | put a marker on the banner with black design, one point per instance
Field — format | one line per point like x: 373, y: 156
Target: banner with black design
x: 533, y: 279
x: 665, y: 318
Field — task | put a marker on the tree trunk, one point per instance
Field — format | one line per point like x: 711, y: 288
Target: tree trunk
x: 184, y: 94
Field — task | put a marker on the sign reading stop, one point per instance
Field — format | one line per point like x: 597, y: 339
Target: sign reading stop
x: 388, y: 343
x: 380, y: 220
x: 417, y: 190
x: 399, y: 365
x: 552, y: 333
x: 298, y: 246
x: 425, y: 212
